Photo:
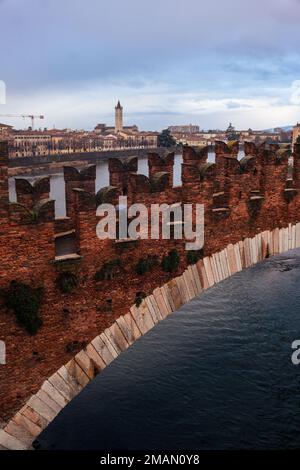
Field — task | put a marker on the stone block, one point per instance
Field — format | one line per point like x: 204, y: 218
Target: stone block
x: 153, y: 309
x: 54, y: 394
x: 157, y: 294
x: 19, y: 432
x: 122, y: 324
x: 298, y: 235
x: 208, y: 270
x: 141, y: 320
x: 84, y: 362
x: 202, y: 274
x: 189, y: 285
x: 167, y: 298
x: 104, y: 352
x: 114, y: 332
x: 41, y: 408
x: 33, y: 429
x: 10, y: 442
x: 131, y: 323
x: 175, y: 294
x: 96, y: 359
x: 75, y: 371
x: 109, y: 345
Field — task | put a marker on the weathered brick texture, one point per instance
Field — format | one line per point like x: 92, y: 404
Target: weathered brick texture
x: 241, y: 199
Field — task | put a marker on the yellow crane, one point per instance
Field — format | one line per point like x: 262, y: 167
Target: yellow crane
x: 24, y: 116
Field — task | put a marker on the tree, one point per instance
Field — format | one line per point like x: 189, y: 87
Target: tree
x: 165, y: 139
x: 231, y: 134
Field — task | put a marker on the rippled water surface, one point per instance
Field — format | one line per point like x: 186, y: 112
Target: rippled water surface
x: 215, y: 375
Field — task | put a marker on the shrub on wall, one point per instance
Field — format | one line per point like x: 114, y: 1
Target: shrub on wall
x: 145, y: 264
x: 192, y: 256
x: 67, y: 282
x: 108, y: 271
x: 25, y: 301
x: 139, y: 298
x: 170, y: 262
x: 75, y: 346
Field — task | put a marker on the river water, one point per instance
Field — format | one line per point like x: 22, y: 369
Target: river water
x: 217, y: 374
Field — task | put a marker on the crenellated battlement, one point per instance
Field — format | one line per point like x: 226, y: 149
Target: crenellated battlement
x: 78, y: 179
x: 119, y: 171
x: 220, y: 185
x: 160, y: 163
x: 29, y: 193
x: 241, y: 197
x: 193, y: 156
x: 157, y: 182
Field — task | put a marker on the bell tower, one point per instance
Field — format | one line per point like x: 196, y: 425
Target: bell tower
x: 118, y: 117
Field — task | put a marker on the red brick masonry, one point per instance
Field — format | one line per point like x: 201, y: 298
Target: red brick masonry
x: 241, y: 199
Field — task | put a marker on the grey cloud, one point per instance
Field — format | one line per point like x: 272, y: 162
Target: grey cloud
x: 224, y: 49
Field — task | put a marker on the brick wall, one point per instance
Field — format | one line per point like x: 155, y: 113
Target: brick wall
x: 241, y: 199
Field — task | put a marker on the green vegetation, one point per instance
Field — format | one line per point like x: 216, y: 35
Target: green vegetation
x: 74, y: 346
x: 67, y: 282
x: 231, y: 144
x: 139, y: 298
x: 108, y: 270
x: 25, y: 301
x: 170, y: 262
x: 165, y: 139
x: 145, y: 264
x: 192, y: 256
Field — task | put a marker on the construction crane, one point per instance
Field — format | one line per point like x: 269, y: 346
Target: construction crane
x: 24, y: 116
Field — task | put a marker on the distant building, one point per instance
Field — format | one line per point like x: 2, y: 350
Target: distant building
x: 195, y: 141
x: 125, y: 136
x: 185, y: 129
x: 31, y: 143
x: 118, y: 127
x: 100, y: 128
x: 5, y: 130
x: 296, y: 133
x: 64, y: 141
x: 118, y: 118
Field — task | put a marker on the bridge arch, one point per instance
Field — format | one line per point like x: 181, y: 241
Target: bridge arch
x: 59, y: 389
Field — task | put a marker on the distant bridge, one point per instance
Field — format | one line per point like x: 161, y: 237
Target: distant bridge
x: 91, y: 157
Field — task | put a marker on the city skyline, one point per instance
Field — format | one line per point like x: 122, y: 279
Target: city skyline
x: 197, y: 63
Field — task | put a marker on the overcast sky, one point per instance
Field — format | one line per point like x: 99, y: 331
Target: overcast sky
x: 168, y: 61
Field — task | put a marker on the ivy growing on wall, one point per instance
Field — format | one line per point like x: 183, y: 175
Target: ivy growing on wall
x: 108, y: 271
x: 192, y: 256
x: 146, y: 264
x: 139, y: 298
x: 25, y: 301
x: 170, y: 262
x: 67, y: 281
